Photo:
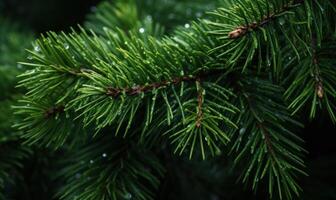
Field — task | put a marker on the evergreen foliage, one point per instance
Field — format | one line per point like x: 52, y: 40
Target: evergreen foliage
x: 12, y: 153
x: 143, y: 79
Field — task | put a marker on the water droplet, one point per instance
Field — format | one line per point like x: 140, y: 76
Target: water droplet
x: 29, y: 57
x: 37, y: 48
x: 91, y: 161
x: 218, y: 152
x: 104, y: 155
x: 141, y: 30
x: 282, y: 21
x: 268, y: 63
x: 128, y: 196
x: 66, y: 46
x: 198, y: 14
x: 105, y: 28
x: 19, y: 66
x: 242, y: 131
x: 187, y: 25
x: 109, y: 42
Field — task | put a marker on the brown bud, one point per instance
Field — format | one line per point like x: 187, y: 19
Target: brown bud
x: 319, y: 90
x: 237, y: 33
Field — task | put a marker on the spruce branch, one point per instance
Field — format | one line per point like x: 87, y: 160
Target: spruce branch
x: 200, y: 101
x: 313, y: 83
x: 243, y: 30
x: 130, y: 80
x: 113, y: 170
x: 45, y: 124
x: 268, y: 150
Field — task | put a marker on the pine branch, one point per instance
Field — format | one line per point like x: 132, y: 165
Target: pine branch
x: 243, y: 30
x: 126, y: 80
x: 46, y: 125
x: 200, y: 101
x: 312, y: 82
x: 267, y: 149
x: 113, y: 170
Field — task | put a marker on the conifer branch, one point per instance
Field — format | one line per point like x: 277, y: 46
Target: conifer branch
x: 139, y: 89
x: 318, y: 80
x: 267, y: 139
x: 200, y: 99
x: 243, y: 30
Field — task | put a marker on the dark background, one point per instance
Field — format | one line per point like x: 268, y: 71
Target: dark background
x: 44, y: 15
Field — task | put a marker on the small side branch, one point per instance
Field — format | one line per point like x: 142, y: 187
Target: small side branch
x: 115, y: 92
x: 240, y: 31
x: 318, y: 80
x: 267, y: 139
x: 137, y: 90
x: 200, y: 99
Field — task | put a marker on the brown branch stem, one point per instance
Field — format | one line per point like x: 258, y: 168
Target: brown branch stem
x: 318, y: 80
x: 200, y: 100
x: 240, y: 31
x: 136, y: 90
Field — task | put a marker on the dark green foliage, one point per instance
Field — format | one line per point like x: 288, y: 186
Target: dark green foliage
x: 12, y: 154
x: 266, y: 134
x: 116, y: 170
x: 118, y: 92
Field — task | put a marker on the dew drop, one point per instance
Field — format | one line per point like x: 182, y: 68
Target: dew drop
x: 91, y: 161
x: 242, y: 131
x: 66, y: 46
x: 282, y: 21
x: 19, y: 66
x: 104, y: 155
x: 141, y: 30
x: 268, y: 63
x: 128, y: 196
x: 37, y: 48
x: 187, y: 25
